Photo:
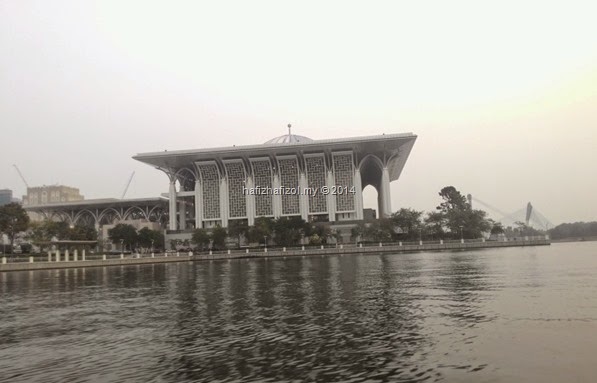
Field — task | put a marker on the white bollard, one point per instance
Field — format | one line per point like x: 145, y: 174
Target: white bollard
x: 303, y: 248
x: 380, y: 245
x: 400, y: 243
x: 152, y: 255
x: 76, y: 255
x: 4, y: 260
x: 462, y: 240
x: 341, y: 247
x: 165, y: 254
x: 210, y: 253
x: 49, y: 256
x: 57, y: 255
x: 66, y: 256
x: 103, y: 257
x: 138, y: 255
x: 178, y: 254
x: 247, y: 251
x: 420, y: 243
x: 284, y: 249
x: 321, y: 247
x: 121, y: 256
x: 441, y: 241
x: 30, y: 259
x: 228, y: 251
x: 483, y: 240
x: 360, y: 245
x: 190, y: 253
x: 83, y: 255
x: 265, y: 250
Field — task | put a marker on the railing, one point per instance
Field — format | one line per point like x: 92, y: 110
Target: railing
x: 57, y: 256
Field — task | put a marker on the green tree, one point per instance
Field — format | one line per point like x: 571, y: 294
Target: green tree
x: 497, y: 228
x: 263, y: 226
x: 82, y: 233
x: 288, y: 231
x: 453, y: 200
x: 356, y: 233
x: 317, y: 233
x: 409, y: 221
x: 148, y: 238
x: 47, y: 230
x: 459, y: 215
x: 315, y: 239
x: 123, y: 232
x: 434, y: 224
x: 218, y: 236
x: 58, y: 230
x: 337, y: 235
x: 13, y: 220
x: 200, y: 238
x: 238, y: 229
x: 37, y: 232
x: 380, y: 230
x: 174, y: 243
x: 574, y: 230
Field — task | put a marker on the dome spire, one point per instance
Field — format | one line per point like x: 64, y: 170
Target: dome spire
x: 289, y: 126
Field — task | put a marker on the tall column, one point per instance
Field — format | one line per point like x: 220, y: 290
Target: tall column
x: 224, y: 201
x: 385, y: 200
x: 182, y: 214
x: 303, y: 198
x: 276, y: 198
x: 250, y: 201
x: 198, y: 205
x: 331, y: 199
x: 358, y: 195
x: 172, y: 205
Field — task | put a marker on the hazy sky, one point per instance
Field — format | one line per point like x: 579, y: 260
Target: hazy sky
x: 503, y: 94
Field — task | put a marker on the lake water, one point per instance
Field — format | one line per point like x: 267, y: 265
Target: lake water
x: 494, y: 315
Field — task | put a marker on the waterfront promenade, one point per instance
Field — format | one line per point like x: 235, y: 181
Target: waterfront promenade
x: 55, y: 260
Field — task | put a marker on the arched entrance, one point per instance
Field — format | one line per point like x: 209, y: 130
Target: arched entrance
x: 372, y: 171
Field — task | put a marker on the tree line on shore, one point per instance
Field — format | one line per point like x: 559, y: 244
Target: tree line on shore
x: 453, y: 218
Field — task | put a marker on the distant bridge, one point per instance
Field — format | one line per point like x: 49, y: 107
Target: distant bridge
x: 527, y: 214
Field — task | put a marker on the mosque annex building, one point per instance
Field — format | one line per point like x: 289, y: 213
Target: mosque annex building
x: 290, y: 175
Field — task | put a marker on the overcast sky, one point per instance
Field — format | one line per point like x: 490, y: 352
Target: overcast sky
x: 502, y: 95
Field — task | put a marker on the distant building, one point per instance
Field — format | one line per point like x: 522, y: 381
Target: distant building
x: 369, y: 214
x: 5, y: 196
x: 42, y: 195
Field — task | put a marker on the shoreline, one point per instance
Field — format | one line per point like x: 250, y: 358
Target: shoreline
x: 177, y: 257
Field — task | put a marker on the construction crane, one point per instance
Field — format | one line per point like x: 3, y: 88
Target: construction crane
x: 21, y: 175
x: 127, y: 185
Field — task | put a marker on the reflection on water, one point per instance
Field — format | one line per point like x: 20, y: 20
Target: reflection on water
x: 407, y: 317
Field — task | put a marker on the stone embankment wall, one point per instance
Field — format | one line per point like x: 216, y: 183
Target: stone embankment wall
x: 136, y: 259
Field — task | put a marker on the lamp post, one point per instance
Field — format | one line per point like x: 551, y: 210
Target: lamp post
x: 461, y: 235
x: 152, y: 245
x: 122, y: 245
x: 265, y: 242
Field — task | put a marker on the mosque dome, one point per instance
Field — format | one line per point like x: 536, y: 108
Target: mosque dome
x: 288, y: 138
